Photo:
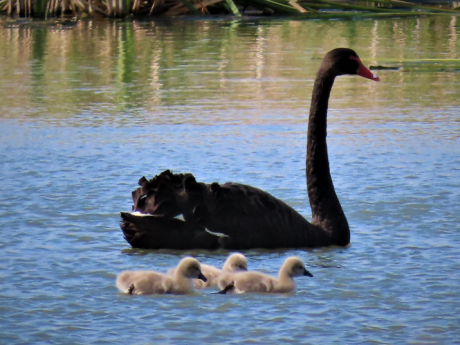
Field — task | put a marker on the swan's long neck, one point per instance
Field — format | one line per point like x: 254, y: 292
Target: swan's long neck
x: 325, y: 206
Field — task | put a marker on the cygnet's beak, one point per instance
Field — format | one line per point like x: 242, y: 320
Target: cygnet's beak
x: 306, y: 273
x: 202, y: 277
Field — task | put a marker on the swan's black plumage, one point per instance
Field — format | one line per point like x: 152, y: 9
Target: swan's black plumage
x: 244, y: 216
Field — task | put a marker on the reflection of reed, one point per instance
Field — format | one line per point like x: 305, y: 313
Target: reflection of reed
x: 453, y: 38
x: 113, y: 68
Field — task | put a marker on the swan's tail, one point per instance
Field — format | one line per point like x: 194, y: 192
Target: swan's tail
x: 158, y: 195
x: 155, y: 204
x: 151, y: 232
x: 168, y: 195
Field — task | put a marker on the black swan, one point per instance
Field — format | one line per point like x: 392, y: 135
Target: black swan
x: 237, y: 216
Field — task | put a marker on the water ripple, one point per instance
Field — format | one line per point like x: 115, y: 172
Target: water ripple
x: 69, y: 166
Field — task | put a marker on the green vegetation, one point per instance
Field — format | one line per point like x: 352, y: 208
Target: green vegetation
x: 123, y: 8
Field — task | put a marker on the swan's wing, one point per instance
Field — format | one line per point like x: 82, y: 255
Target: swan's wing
x: 240, y: 216
x: 248, y: 216
x: 150, y: 232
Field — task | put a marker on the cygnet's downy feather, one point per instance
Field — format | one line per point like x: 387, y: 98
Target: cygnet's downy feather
x: 247, y: 282
x: 234, y: 263
x: 150, y: 282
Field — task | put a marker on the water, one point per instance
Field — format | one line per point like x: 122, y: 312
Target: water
x: 87, y: 109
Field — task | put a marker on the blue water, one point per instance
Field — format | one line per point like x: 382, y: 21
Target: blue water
x: 70, y: 163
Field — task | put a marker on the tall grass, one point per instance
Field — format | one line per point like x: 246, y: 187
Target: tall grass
x: 123, y: 8
x: 39, y: 8
x: 22, y: 8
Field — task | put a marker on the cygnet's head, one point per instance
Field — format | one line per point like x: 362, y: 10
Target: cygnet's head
x: 190, y: 267
x: 295, y: 267
x: 236, y: 263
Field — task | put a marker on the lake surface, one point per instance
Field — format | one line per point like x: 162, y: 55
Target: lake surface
x: 87, y: 109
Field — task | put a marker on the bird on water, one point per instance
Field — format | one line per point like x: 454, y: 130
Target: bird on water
x: 151, y: 282
x: 238, y: 216
x: 257, y: 282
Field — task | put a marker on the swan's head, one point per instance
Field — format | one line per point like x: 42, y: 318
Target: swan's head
x: 295, y: 267
x: 190, y: 268
x: 235, y: 263
x: 342, y: 61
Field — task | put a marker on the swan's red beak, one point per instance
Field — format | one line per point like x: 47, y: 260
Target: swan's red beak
x: 364, y: 72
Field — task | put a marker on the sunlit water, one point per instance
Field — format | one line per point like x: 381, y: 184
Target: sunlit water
x: 86, y: 110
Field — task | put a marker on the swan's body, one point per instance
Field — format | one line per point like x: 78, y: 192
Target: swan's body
x: 251, y: 281
x: 234, y: 263
x: 244, y: 216
x: 150, y: 282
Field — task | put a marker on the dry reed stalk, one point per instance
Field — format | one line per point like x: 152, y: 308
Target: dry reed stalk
x: 97, y: 9
x: 83, y: 7
x: 53, y: 8
x: 278, y: 6
x: 108, y: 4
x: 181, y: 9
x: 73, y: 8
x: 10, y: 7
x: 415, y: 6
x: 204, y: 9
x: 136, y: 7
x: 298, y: 7
x: 119, y: 8
x: 157, y: 7
x: 356, y: 7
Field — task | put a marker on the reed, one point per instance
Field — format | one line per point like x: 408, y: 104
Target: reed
x: 405, y: 4
x: 20, y: 8
x: 277, y: 6
x: 232, y: 8
x: 355, y: 7
x: 123, y: 8
x: 39, y: 8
